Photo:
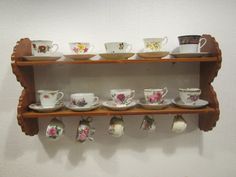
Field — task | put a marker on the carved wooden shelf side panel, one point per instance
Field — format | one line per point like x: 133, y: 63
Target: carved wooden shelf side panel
x: 208, y: 72
x: 25, y: 76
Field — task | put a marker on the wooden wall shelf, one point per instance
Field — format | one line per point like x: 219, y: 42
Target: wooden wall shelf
x: 24, y: 71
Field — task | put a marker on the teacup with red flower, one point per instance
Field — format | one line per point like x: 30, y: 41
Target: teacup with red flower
x: 122, y: 97
x: 189, y: 95
x: 81, y: 47
x: 55, y: 129
x: 155, y: 96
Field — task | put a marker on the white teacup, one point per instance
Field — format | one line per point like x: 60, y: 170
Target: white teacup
x: 118, y: 47
x: 43, y: 47
x: 122, y: 97
x: 116, y: 127
x: 179, y: 124
x: 189, y: 95
x: 191, y: 43
x: 83, y: 99
x: 55, y: 129
x: 49, y: 98
x: 154, y: 44
x: 81, y: 47
x: 155, y: 96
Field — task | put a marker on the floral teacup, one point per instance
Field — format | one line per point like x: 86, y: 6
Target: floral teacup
x: 43, y: 47
x: 122, y: 97
x: 55, y: 129
x: 83, y: 99
x: 155, y: 96
x: 179, y: 124
x: 154, y: 44
x: 84, y: 130
x: 148, y: 123
x: 116, y: 127
x: 49, y: 98
x: 189, y: 95
x: 81, y: 47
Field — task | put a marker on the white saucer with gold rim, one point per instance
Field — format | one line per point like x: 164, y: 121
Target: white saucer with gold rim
x: 39, y: 108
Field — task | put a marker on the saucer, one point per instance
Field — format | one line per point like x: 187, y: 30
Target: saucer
x: 158, y: 54
x: 113, y: 56
x: 198, y: 104
x: 191, y: 55
x: 81, y: 109
x: 146, y: 105
x: 41, y: 58
x: 39, y: 108
x: 113, y: 106
x: 80, y: 56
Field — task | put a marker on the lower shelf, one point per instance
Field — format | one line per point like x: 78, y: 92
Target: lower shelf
x: 106, y: 112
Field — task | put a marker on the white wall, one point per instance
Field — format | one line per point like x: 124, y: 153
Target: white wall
x: 162, y: 154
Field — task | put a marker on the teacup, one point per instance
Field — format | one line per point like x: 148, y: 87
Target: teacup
x: 179, y: 124
x: 191, y: 43
x: 83, y: 99
x: 81, y: 47
x: 84, y: 130
x: 154, y: 44
x: 118, y: 47
x: 155, y: 96
x: 122, y: 97
x: 148, y: 123
x: 49, y: 98
x: 43, y: 47
x: 189, y: 95
x: 55, y: 129
x: 116, y: 126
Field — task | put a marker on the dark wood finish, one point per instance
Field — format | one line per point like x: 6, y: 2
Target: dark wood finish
x: 106, y: 112
x: 28, y: 120
x: 208, y: 71
x: 25, y: 75
x: 103, y: 61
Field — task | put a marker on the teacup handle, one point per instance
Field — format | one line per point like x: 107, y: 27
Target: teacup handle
x: 56, y: 47
x: 165, y: 91
x: 129, y: 47
x: 129, y: 100
x: 60, y: 97
x: 202, y: 44
x: 165, y: 40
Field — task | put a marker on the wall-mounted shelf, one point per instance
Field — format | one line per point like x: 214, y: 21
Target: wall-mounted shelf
x: 24, y: 71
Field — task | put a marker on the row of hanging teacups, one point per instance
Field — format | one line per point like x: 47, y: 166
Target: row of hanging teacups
x: 55, y: 128
x: 122, y: 99
x: 153, y: 47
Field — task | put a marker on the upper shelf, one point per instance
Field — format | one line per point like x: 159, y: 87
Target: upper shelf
x: 105, y: 61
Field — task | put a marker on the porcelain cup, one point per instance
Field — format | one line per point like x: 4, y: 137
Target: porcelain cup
x: 116, y: 126
x: 148, y: 123
x: 81, y: 47
x: 43, y: 47
x: 155, y: 96
x: 84, y: 130
x: 179, y: 124
x: 189, y: 95
x: 55, y: 129
x: 154, y: 44
x: 118, y: 47
x: 191, y: 43
x: 122, y: 97
x: 49, y: 98
x: 83, y: 99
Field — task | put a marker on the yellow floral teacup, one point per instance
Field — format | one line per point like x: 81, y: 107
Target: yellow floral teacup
x: 81, y: 47
x: 154, y: 44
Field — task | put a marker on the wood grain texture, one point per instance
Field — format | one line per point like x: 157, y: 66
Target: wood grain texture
x: 24, y: 75
x: 106, y: 112
x: 134, y: 61
x: 208, y: 72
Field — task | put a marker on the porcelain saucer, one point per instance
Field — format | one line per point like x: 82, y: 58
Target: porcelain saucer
x: 41, y: 58
x: 39, y: 108
x: 81, y: 109
x: 191, y: 55
x: 113, y: 56
x: 198, y: 104
x: 146, y: 105
x: 113, y: 106
x: 158, y: 54
x: 80, y: 56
